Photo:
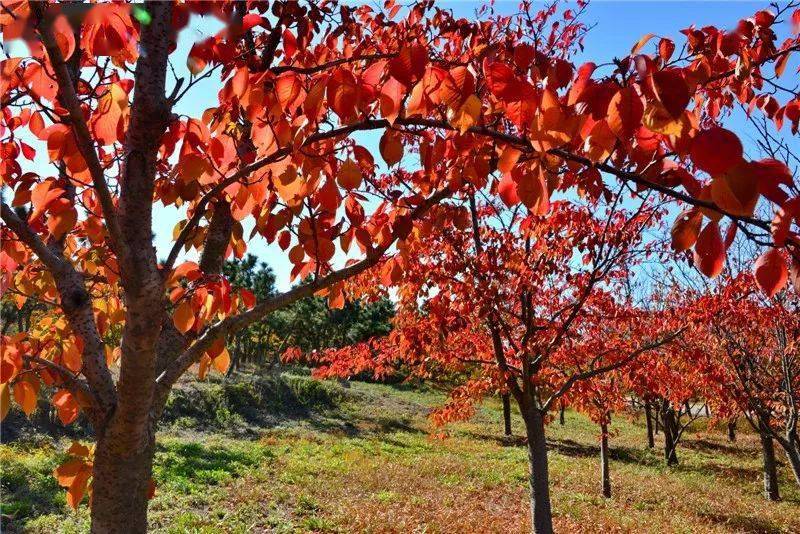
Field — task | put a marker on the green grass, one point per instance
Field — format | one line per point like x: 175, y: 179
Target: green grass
x: 364, y: 459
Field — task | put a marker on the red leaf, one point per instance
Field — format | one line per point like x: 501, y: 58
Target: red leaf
x: 409, y: 65
x: 685, y: 229
x: 671, y: 90
x: 625, y: 113
x: 716, y: 150
x: 507, y: 190
x: 709, y: 251
x: 771, y: 272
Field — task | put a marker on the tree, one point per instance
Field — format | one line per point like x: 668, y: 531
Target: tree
x: 519, y: 302
x: 752, y: 362
x: 279, y: 149
x: 599, y: 398
x: 259, y: 342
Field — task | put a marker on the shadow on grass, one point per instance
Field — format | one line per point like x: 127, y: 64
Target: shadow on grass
x: 626, y: 455
x: 743, y: 523
x: 503, y: 441
x: 26, y: 497
x: 725, y: 472
x: 704, y: 445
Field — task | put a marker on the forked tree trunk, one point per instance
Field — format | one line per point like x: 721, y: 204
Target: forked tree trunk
x: 648, y: 415
x: 771, y: 491
x: 120, y: 488
x: 670, y: 429
x: 604, y: 476
x: 541, y: 512
x: 506, y: 414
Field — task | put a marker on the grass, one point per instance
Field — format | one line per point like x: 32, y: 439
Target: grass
x: 364, y: 459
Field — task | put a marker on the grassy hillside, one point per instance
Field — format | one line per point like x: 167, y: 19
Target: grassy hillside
x: 289, y: 454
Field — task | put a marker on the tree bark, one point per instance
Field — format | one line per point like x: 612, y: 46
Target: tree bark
x: 604, y: 476
x: 669, y: 428
x: 120, y: 487
x: 507, y: 414
x: 541, y: 512
x: 648, y: 415
x: 771, y: 490
x: 732, y: 430
x: 561, y: 419
x: 657, y: 418
x: 793, y: 455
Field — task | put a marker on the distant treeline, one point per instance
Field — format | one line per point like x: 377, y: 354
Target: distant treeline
x: 308, y: 324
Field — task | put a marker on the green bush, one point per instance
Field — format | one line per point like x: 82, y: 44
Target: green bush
x: 249, y: 400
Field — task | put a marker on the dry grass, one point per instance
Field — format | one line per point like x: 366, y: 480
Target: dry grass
x: 373, y: 467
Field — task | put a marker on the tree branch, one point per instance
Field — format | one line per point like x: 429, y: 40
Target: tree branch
x: 610, y: 367
x: 68, y: 98
x: 234, y: 323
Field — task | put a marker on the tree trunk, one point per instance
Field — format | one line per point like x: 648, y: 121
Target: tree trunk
x: 561, y: 420
x: 771, y: 491
x: 648, y: 415
x: 732, y: 430
x: 668, y: 424
x: 120, y: 488
x: 506, y: 414
x: 541, y: 513
x: 657, y: 418
x: 793, y: 454
x: 605, y: 480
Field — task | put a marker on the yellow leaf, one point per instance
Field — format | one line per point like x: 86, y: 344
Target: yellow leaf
x: 643, y: 41
x: 468, y: 114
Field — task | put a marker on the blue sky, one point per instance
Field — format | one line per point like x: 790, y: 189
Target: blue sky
x: 618, y: 25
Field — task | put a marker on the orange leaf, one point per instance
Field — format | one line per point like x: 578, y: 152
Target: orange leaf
x: 66, y: 406
x: 467, y: 115
x: 507, y: 190
x: 183, y: 317
x: 5, y: 401
x: 66, y: 473
x: 25, y: 395
x: 62, y: 219
x: 223, y: 361
x: 349, y: 175
x: 736, y: 191
x: 77, y: 489
x: 508, y: 159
